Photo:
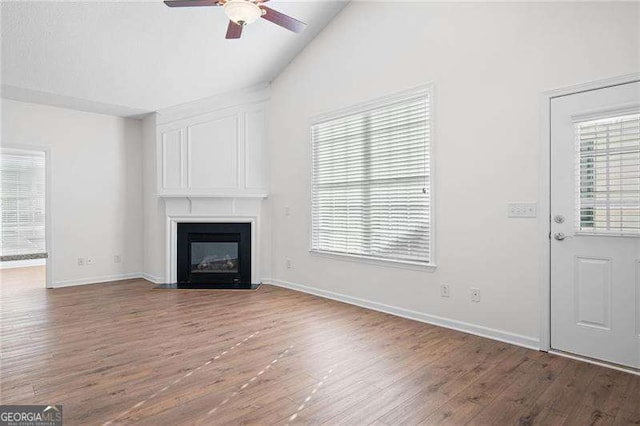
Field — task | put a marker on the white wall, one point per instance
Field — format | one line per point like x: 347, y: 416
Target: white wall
x: 96, y: 187
x: 489, y: 64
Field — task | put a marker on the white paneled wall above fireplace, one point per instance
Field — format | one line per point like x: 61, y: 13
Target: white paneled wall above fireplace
x: 206, y: 161
x: 217, y: 154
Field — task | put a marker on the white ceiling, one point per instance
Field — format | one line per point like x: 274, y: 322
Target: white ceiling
x: 128, y: 58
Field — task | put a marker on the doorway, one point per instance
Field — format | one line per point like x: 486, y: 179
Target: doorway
x: 594, y: 223
x: 25, y: 212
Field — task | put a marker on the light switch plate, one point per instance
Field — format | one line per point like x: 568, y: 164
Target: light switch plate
x: 522, y: 210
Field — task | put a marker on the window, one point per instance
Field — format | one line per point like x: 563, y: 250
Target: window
x: 22, y: 202
x: 371, y: 180
x: 608, y: 175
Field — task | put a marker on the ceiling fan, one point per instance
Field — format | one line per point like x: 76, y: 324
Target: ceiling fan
x: 244, y: 12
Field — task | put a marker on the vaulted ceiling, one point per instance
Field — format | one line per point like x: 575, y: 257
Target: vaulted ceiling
x: 128, y: 58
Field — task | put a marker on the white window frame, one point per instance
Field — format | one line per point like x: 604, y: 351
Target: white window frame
x: 357, y: 108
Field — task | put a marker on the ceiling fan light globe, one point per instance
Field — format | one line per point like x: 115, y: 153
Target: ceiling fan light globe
x: 242, y: 12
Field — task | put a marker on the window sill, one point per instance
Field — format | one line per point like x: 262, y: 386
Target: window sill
x: 414, y: 266
x: 27, y: 256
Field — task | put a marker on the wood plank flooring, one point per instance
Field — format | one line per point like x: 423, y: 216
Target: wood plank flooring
x: 123, y: 353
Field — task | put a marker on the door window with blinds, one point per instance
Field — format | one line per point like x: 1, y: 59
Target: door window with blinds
x: 371, y: 180
x: 22, y: 202
x: 608, y: 175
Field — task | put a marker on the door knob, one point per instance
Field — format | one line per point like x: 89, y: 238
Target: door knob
x: 560, y: 236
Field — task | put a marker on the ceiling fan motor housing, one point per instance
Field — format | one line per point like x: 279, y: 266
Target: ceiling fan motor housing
x: 242, y: 12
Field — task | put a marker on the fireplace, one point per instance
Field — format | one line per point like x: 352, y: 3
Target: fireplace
x: 214, y: 254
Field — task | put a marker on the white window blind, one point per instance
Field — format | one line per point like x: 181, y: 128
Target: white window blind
x: 371, y: 193
x: 608, y: 175
x: 22, y: 202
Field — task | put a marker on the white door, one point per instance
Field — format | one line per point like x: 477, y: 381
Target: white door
x: 595, y: 224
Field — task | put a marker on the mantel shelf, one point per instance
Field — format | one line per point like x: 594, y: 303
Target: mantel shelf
x: 261, y: 194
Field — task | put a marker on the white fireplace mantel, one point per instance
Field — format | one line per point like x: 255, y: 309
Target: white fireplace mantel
x: 211, y: 167
x: 215, y: 194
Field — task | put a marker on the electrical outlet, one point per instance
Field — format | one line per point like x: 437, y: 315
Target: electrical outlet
x: 91, y: 260
x: 81, y: 261
x: 116, y: 258
x: 287, y: 211
x: 475, y: 295
x: 287, y: 263
x: 444, y: 290
x: 522, y: 210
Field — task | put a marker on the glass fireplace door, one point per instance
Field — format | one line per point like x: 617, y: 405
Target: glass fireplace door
x: 214, y: 257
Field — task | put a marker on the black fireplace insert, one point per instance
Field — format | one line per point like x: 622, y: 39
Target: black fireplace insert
x: 214, y: 254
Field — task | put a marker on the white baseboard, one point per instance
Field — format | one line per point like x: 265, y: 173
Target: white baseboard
x: 108, y: 278
x: 22, y: 263
x: 153, y: 279
x: 96, y: 280
x: 478, y: 330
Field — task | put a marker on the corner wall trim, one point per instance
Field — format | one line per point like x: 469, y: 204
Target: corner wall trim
x: 96, y: 280
x: 465, y: 327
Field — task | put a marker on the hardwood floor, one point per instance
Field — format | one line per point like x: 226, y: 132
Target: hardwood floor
x: 123, y: 353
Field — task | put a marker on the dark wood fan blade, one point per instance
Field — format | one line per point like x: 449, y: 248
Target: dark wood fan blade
x: 191, y: 3
x: 234, y: 30
x: 283, y: 20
